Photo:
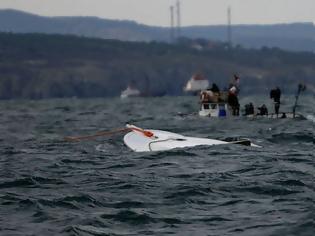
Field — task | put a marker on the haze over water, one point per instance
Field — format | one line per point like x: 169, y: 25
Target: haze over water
x: 100, y: 187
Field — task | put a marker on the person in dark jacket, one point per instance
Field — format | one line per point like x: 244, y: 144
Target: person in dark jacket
x: 249, y: 109
x: 215, y: 88
x: 263, y: 111
x: 275, y: 94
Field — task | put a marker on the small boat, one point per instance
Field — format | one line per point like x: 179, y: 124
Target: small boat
x: 140, y: 140
x: 214, y: 104
x: 197, y: 83
x: 130, y: 92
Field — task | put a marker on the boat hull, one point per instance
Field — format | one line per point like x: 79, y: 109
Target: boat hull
x: 163, y: 141
x: 282, y: 115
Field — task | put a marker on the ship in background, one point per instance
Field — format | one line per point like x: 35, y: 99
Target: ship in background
x: 196, y: 84
x: 130, y: 91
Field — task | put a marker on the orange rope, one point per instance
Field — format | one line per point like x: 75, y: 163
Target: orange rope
x: 144, y: 132
x: 98, y: 134
x: 104, y: 133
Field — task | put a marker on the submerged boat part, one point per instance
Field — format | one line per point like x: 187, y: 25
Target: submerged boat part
x: 163, y: 141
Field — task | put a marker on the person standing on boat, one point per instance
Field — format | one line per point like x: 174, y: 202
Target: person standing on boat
x: 216, y: 93
x: 246, y: 109
x: 233, y: 101
x: 232, y: 96
x: 275, y: 94
x: 206, y: 96
x: 249, y: 109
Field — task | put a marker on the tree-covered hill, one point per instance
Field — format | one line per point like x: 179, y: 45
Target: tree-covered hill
x: 44, y: 66
x: 294, y: 37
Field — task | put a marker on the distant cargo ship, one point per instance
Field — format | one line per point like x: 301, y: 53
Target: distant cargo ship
x: 130, y: 92
x: 197, y: 83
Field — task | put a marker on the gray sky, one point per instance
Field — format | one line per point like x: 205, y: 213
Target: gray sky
x: 156, y: 12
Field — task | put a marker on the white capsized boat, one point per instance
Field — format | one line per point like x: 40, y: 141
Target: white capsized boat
x: 140, y: 140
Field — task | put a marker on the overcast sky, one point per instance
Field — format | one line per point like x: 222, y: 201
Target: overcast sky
x: 157, y: 12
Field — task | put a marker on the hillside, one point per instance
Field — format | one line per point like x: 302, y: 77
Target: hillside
x: 44, y: 66
x: 295, y: 37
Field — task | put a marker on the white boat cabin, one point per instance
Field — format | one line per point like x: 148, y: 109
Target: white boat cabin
x: 214, y: 110
x: 213, y: 104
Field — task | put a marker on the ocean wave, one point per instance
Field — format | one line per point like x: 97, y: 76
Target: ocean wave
x: 130, y: 216
x: 297, y: 137
x: 267, y: 190
x: 32, y: 181
x: 52, y: 187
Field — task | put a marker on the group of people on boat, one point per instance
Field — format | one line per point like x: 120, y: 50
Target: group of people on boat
x: 213, y: 95
x: 229, y: 96
x: 250, y: 110
x: 275, y: 94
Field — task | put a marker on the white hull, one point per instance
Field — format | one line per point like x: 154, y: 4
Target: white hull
x: 163, y: 141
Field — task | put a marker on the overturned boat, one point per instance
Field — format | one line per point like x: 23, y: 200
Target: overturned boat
x: 140, y: 140
x: 148, y: 140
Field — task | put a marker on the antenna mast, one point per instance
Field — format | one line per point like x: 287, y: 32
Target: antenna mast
x: 178, y: 18
x: 172, y: 24
x: 229, y: 28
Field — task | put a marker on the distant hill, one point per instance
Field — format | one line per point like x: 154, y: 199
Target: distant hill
x: 47, y: 66
x: 22, y: 22
x: 296, y: 37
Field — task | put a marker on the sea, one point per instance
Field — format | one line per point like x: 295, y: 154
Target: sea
x: 49, y: 186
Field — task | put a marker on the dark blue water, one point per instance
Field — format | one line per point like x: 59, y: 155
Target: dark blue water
x: 100, y: 187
